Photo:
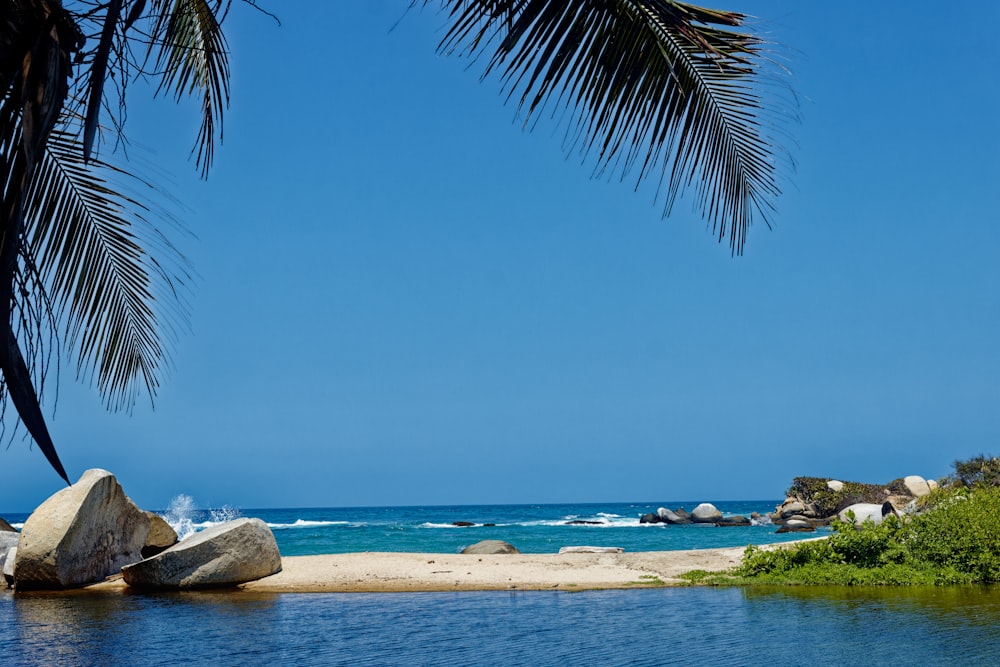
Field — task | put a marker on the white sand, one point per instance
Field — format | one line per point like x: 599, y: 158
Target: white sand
x: 384, y: 572
x: 415, y: 572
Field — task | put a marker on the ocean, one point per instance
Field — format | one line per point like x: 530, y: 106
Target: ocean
x: 673, y: 626
x: 530, y: 528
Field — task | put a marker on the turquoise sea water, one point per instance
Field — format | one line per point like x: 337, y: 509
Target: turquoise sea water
x: 530, y: 528
x: 675, y: 626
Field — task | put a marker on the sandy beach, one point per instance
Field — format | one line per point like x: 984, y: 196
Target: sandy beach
x: 410, y: 572
x: 385, y: 572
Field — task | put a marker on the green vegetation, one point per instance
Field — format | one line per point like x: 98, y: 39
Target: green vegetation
x: 827, y: 502
x: 951, y: 541
x: 981, y: 470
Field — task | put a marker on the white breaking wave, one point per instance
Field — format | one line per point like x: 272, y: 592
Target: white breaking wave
x: 303, y: 523
x: 180, y: 515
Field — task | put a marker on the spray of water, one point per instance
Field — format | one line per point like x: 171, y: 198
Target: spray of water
x: 180, y: 515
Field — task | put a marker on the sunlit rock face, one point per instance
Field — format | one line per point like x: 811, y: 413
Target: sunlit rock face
x: 226, y: 554
x: 80, y: 535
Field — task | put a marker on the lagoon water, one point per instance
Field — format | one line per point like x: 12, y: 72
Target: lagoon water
x: 675, y: 626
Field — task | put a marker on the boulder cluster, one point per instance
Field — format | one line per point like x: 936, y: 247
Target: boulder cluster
x: 816, y: 501
x: 91, y: 531
x: 703, y: 513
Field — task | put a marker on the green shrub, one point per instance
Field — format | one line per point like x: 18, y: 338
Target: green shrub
x: 961, y: 529
x: 981, y: 470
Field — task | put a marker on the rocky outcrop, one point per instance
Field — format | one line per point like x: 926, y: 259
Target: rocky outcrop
x: 490, y: 547
x: 80, y: 535
x: 6, y: 527
x: 677, y: 516
x: 227, y: 554
x: 821, y: 500
x: 161, y: 535
x: 706, y: 513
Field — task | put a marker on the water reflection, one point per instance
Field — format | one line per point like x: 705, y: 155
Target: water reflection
x: 676, y: 626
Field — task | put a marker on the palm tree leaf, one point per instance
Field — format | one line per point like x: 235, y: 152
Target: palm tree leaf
x: 653, y: 88
x: 92, y: 246
x: 190, y: 52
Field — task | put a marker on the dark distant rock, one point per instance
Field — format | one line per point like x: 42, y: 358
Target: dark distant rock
x: 491, y: 547
x: 797, y: 525
x: 584, y: 522
x: 737, y: 520
x: 462, y: 524
x: 4, y: 526
x: 678, y: 516
x: 649, y: 518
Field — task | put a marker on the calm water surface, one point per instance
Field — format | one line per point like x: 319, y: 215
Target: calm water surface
x: 676, y: 626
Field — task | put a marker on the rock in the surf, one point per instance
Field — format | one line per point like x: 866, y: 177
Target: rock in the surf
x: 671, y: 516
x: 490, y: 547
x: 226, y: 554
x: 735, y: 520
x: 797, y: 524
x: 649, y: 518
x: 6, y: 527
x: 80, y: 535
x: 706, y: 513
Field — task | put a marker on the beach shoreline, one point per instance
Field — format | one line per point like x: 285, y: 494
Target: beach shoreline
x: 407, y: 572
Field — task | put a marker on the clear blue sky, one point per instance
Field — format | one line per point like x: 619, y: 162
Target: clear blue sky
x: 402, y: 298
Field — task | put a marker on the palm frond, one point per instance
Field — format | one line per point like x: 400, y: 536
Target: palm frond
x: 92, y: 246
x: 652, y: 87
x: 190, y: 53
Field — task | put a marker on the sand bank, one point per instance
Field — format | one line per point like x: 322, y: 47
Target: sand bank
x: 415, y: 572
x: 411, y: 572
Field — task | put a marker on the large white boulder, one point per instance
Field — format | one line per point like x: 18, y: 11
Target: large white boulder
x: 916, y: 485
x: 705, y: 513
x: 834, y: 485
x: 80, y: 535
x: 862, y: 512
x: 226, y: 554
